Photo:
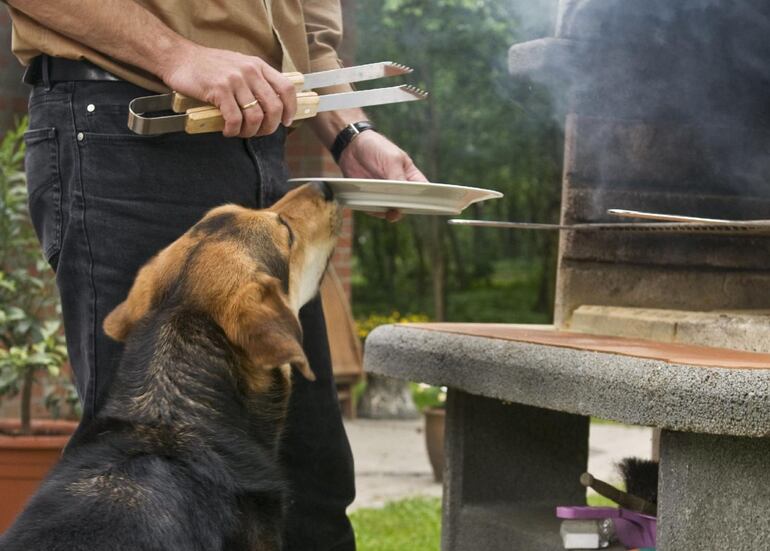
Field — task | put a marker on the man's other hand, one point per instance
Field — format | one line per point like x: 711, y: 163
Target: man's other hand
x: 229, y: 81
x: 372, y: 155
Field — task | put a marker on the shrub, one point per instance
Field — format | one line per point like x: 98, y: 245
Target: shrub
x: 31, y: 340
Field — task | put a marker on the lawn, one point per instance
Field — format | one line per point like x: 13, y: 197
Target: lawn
x: 413, y: 524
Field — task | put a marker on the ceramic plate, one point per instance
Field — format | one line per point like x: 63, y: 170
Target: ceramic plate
x: 408, y: 197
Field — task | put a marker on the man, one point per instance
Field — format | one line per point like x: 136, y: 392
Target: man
x: 103, y: 200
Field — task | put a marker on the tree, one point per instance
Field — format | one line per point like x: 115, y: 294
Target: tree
x: 478, y: 128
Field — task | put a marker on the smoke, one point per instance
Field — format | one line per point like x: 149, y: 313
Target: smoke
x: 660, y: 97
x: 536, y: 17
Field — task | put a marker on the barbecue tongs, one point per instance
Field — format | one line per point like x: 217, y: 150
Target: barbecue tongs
x: 196, y: 117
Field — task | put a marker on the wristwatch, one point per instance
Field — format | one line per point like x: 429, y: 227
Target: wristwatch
x: 347, y: 135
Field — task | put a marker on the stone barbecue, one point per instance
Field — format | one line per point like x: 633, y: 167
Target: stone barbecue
x: 665, y: 109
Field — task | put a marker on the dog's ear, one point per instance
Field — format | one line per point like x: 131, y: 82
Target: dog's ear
x: 258, y: 319
x: 151, y: 280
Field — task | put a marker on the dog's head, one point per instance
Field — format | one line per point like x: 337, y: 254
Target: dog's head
x: 250, y: 270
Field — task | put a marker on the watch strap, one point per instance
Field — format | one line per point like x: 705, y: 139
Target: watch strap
x: 347, y: 135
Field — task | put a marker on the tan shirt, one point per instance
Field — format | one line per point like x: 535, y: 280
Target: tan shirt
x: 291, y: 35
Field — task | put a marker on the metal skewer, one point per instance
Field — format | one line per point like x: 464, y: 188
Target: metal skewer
x: 752, y: 227
x: 623, y: 213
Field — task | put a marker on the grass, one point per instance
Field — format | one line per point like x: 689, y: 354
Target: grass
x: 595, y: 500
x: 413, y: 524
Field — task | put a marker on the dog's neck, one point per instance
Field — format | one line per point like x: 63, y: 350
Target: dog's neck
x: 179, y: 368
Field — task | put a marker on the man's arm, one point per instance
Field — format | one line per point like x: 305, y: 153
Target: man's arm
x: 369, y: 155
x: 126, y: 31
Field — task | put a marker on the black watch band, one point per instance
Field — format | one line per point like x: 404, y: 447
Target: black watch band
x: 347, y: 135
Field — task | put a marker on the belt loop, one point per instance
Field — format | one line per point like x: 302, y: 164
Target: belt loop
x: 46, y: 74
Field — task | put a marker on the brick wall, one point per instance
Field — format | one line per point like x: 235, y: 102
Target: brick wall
x: 13, y: 94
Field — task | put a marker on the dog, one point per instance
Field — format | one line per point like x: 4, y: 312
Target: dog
x: 182, y: 454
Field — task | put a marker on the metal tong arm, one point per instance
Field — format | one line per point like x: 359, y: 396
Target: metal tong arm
x: 195, y: 120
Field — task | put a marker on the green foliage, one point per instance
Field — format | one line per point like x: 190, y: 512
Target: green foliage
x: 367, y: 325
x: 413, y: 524
x: 479, y: 128
x: 31, y: 339
x: 428, y: 396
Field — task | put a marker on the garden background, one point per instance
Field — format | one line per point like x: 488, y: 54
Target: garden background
x: 479, y: 128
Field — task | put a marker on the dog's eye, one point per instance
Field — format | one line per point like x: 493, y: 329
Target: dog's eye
x: 288, y: 227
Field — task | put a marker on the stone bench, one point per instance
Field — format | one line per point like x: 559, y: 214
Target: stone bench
x: 518, y: 410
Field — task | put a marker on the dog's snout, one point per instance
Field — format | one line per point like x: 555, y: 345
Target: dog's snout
x: 325, y: 190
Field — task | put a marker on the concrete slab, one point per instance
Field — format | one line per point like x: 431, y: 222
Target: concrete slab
x: 626, y: 389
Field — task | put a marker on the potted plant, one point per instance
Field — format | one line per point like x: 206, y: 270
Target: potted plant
x: 32, y: 350
x: 431, y: 400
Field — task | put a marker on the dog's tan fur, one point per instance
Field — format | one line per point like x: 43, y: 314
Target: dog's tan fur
x: 248, y: 303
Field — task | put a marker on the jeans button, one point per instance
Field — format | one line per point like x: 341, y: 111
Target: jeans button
x: 81, y: 136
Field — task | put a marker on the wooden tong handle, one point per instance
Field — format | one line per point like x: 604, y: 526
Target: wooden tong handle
x: 182, y: 103
x: 201, y: 120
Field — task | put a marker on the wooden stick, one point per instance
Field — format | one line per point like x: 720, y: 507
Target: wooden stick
x: 625, y: 500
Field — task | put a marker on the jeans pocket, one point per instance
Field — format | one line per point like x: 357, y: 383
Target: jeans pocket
x: 44, y: 188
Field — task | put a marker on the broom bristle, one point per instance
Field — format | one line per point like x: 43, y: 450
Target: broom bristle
x: 641, y: 477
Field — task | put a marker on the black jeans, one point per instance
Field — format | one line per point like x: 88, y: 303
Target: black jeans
x: 104, y: 200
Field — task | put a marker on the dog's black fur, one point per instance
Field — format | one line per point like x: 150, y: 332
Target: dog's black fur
x: 179, y: 457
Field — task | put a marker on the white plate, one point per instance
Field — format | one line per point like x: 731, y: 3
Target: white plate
x: 407, y: 197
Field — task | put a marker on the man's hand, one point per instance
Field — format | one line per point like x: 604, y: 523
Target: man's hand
x: 230, y: 80
x: 131, y: 34
x: 369, y: 155
x: 372, y: 155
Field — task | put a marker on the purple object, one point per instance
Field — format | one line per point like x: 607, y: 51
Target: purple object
x: 631, y: 528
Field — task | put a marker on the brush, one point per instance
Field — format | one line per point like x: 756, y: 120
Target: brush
x: 641, y: 478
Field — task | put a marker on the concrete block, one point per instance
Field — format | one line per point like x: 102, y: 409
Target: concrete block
x: 632, y: 285
x: 734, y: 330
x: 508, y: 467
x: 714, y: 492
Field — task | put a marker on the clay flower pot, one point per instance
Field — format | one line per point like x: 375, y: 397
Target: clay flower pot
x: 25, y: 460
x: 434, y: 439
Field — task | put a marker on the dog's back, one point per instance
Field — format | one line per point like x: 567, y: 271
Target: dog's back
x: 176, y: 460
x: 182, y: 454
